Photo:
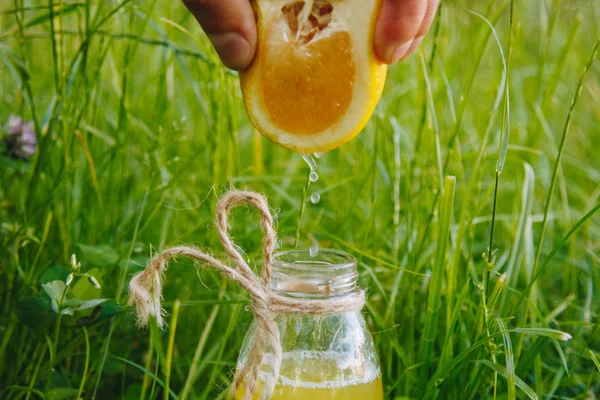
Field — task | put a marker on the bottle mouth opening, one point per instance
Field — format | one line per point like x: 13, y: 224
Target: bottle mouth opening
x: 308, y: 274
x: 322, y: 259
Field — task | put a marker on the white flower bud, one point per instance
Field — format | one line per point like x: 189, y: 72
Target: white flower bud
x: 94, y: 282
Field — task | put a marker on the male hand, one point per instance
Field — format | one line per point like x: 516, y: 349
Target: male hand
x: 231, y: 28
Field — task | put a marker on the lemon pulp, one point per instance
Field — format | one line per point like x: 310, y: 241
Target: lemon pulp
x: 315, y: 79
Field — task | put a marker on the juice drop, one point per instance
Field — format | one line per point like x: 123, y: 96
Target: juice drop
x: 310, y: 160
x: 313, y: 176
x: 313, y: 250
x: 315, y: 198
x: 320, y: 155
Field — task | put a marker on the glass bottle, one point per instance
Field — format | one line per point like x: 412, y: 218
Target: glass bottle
x: 325, y: 357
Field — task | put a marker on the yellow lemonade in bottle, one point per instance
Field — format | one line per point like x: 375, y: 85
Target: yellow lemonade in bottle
x: 317, y: 377
x: 372, y: 390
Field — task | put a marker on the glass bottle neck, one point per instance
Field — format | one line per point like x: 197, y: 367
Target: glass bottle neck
x: 300, y: 274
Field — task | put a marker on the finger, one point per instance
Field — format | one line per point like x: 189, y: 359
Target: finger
x: 397, y: 26
x: 231, y: 28
x: 425, y: 25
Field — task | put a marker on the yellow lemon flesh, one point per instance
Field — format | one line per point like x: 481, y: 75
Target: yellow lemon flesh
x: 315, y: 79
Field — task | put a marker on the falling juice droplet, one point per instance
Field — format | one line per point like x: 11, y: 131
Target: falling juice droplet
x: 320, y: 155
x: 314, y: 250
x: 310, y: 160
x: 315, y: 198
x: 313, y: 176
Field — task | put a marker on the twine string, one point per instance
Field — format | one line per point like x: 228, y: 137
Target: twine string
x: 145, y: 292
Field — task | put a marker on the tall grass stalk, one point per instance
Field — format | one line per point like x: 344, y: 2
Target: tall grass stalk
x: 462, y: 105
x: 33, y: 377
x: 86, y: 365
x: 464, y: 223
x: 55, y: 338
x: 502, y: 150
x: 437, y: 277
x: 561, y: 147
x: 192, y: 374
x: 170, y: 348
x: 557, y: 164
x: 510, y: 362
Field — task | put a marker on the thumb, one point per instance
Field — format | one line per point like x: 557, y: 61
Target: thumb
x: 401, y: 26
x: 231, y: 28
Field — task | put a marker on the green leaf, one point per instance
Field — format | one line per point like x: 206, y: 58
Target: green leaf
x: 146, y: 372
x: 444, y: 370
x: 99, y: 256
x: 455, y: 314
x: 510, y: 361
x: 90, y: 304
x: 551, y: 333
x: 133, y: 392
x: 54, y: 273
x: 82, y: 289
x: 75, y: 305
x: 55, y: 290
x: 58, y: 10
x: 70, y: 306
x: 13, y: 164
x: 101, y: 313
x: 67, y: 311
x: 437, y: 278
x: 550, y: 256
x: 518, y: 381
x: 61, y: 393
x: 16, y: 68
x: 35, y: 312
x: 26, y: 389
x: 595, y: 359
x: 527, y: 359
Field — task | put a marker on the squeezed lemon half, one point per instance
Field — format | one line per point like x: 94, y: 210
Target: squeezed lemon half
x: 315, y: 79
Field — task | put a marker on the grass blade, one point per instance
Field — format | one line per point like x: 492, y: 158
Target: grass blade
x: 595, y: 360
x: 527, y: 196
x: 146, y: 372
x: 557, y: 163
x: 510, y: 362
x: 518, y: 381
x: 555, y: 250
x: 446, y: 351
x: 172, y: 331
x: 547, y: 332
x: 437, y: 276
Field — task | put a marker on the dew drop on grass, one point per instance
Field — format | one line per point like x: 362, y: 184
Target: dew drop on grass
x: 313, y: 176
x: 315, y: 198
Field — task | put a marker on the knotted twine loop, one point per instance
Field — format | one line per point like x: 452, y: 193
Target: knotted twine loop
x: 145, y: 291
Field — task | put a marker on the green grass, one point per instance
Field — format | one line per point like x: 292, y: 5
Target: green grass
x: 140, y: 129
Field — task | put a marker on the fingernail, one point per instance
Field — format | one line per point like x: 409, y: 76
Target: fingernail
x: 414, y: 46
x: 396, y: 54
x: 233, y: 49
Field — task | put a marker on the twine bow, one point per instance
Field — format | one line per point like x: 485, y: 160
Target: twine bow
x: 145, y: 291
